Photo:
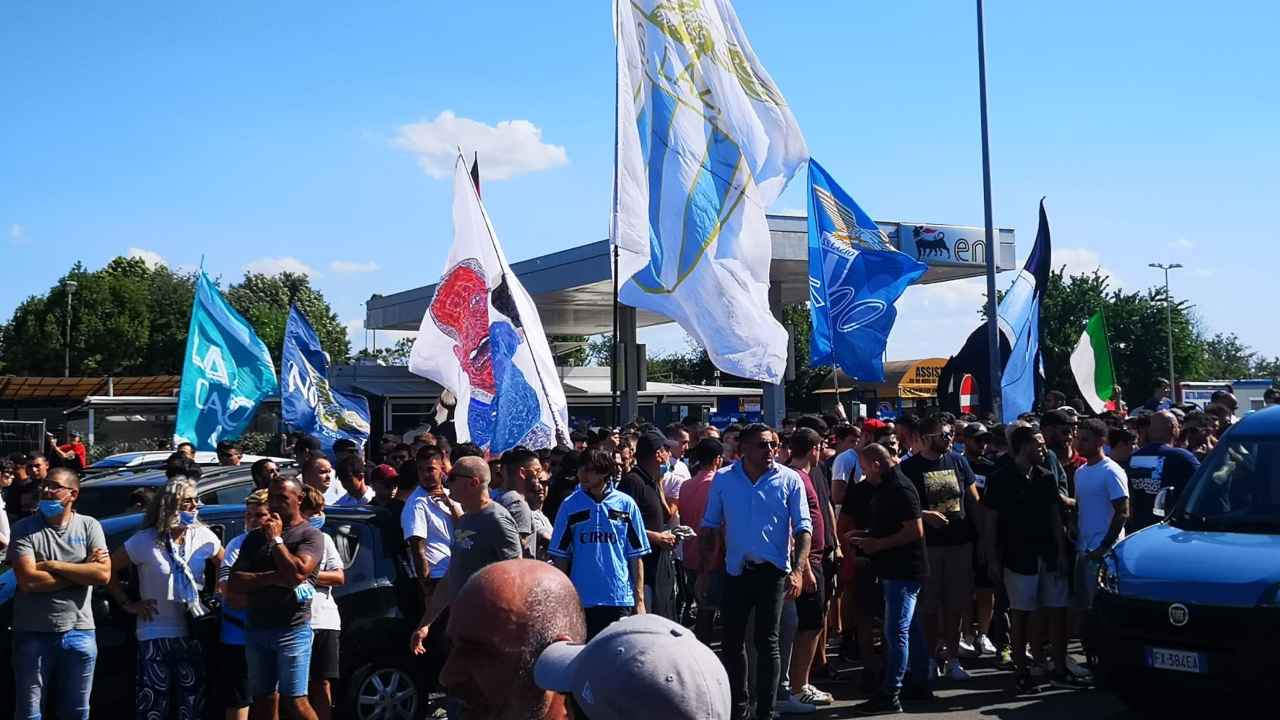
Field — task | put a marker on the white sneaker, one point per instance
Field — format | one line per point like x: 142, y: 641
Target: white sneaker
x: 955, y: 672
x: 1078, y: 670
x: 811, y: 695
x: 793, y: 706
x: 934, y: 670
x: 967, y: 649
x: 985, y: 645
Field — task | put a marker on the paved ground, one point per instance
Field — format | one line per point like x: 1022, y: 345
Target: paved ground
x: 986, y: 695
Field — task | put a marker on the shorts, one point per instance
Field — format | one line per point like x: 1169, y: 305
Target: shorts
x: 950, y: 581
x: 232, y: 674
x: 279, y: 660
x: 602, y: 616
x: 810, y: 608
x: 863, y: 588
x: 324, y: 654
x: 1028, y: 593
x: 1086, y: 581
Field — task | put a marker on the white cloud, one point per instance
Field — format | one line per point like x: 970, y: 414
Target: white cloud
x: 151, y: 257
x: 1182, y: 243
x: 508, y: 149
x: 17, y: 234
x: 351, y: 266
x: 277, y: 265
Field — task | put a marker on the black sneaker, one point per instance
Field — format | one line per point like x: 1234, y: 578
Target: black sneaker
x: 1025, y: 685
x: 918, y: 693
x: 879, y: 705
x: 1068, y: 681
x: 870, y: 682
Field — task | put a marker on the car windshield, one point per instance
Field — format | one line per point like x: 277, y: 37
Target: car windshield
x: 1237, y: 489
x: 106, y: 500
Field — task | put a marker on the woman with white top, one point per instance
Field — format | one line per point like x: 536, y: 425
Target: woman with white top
x: 172, y: 553
x: 326, y: 623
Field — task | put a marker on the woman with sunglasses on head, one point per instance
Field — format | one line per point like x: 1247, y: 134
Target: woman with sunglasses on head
x: 173, y: 554
x: 326, y: 623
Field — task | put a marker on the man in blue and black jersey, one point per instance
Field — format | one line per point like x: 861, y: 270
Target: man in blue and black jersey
x: 598, y: 541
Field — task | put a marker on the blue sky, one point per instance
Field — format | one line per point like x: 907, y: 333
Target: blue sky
x: 304, y: 135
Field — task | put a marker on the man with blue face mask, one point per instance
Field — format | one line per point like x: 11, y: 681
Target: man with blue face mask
x: 57, y: 556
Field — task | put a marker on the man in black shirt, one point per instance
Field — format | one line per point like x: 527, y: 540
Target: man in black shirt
x: 861, y: 598
x: 947, y: 490
x: 1028, y: 550
x: 895, y: 543
x: 644, y: 485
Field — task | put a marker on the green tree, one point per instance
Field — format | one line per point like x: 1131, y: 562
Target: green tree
x: 1226, y: 358
x: 577, y: 357
x: 264, y: 301
x: 397, y: 354
x: 126, y: 319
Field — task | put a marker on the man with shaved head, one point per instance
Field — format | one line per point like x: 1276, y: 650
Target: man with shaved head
x: 1155, y: 466
x: 501, y: 621
x: 485, y: 534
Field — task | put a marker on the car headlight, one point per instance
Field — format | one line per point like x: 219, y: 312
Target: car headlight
x: 1109, y: 575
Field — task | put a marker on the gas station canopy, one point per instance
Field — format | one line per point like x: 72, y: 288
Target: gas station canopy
x: 573, y: 288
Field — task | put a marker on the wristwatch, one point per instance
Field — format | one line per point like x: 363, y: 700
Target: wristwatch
x: 277, y: 540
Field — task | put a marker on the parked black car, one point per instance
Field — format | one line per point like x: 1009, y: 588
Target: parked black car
x: 106, y: 496
x: 379, y: 603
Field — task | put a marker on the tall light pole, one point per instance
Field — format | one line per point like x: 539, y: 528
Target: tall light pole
x: 1168, y: 316
x: 71, y: 286
x: 993, y: 328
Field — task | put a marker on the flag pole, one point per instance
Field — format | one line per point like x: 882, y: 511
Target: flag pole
x: 613, y: 232
x: 562, y: 436
x: 993, y: 328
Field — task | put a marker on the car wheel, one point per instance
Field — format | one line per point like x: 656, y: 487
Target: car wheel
x: 385, y: 689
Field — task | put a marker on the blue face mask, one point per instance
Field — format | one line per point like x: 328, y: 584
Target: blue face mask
x: 50, y: 508
x: 187, y: 518
x: 316, y: 521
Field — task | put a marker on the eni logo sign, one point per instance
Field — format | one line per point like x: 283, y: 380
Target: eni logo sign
x: 944, y: 245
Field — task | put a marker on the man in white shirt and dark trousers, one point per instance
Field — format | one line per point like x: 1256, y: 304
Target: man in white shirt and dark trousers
x: 761, y: 506
x: 1102, y: 507
x: 427, y: 521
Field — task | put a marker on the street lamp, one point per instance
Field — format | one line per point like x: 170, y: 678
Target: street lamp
x: 1168, y: 314
x: 71, y: 286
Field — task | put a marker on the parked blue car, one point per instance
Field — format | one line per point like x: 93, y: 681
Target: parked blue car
x: 1194, y: 601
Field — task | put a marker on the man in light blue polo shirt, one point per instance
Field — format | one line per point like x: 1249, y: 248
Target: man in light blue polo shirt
x: 598, y: 541
x: 762, y: 507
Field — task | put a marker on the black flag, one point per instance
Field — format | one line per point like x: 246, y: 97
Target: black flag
x: 475, y: 171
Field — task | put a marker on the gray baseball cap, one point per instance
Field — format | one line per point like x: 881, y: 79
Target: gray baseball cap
x: 642, y: 667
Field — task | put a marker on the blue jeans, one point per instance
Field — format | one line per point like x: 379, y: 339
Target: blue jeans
x: 64, y: 658
x: 903, y: 636
x: 279, y: 660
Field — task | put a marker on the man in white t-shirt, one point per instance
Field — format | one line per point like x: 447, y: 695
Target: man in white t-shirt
x: 427, y: 521
x: 351, y: 474
x: 1102, y: 506
x: 677, y: 472
x: 845, y: 470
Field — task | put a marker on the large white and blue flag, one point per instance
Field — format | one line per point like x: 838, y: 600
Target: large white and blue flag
x: 705, y: 144
x: 1019, y: 318
x: 855, y: 277
x: 227, y: 372
x: 308, y: 403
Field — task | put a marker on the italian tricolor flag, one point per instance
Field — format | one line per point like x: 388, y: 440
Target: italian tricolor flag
x: 1091, y: 364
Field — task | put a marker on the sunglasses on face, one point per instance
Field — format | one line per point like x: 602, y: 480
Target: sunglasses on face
x: 768, y: 444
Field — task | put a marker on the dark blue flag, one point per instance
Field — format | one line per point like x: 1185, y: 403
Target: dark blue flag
x: 307, y: 402
x: 855, y: 277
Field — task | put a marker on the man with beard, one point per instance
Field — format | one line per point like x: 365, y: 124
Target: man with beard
x: 501, y: 621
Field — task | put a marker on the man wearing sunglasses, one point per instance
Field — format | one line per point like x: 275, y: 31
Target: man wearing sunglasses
x: 57, y: 556
x: 761, y: 507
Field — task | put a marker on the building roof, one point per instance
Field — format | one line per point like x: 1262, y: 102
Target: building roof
x: 14, y: 387
x: 573, y: 288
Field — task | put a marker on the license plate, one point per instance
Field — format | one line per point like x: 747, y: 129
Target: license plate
x: 1178, y: 660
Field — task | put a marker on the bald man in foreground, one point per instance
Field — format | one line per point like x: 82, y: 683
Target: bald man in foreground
x: 501, y: 621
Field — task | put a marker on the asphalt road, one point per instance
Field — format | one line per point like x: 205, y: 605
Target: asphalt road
x: 986, y: 695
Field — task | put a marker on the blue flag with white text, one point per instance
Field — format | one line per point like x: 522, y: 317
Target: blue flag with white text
x: 855, y: 277
x: 227, y: 371
x: 307, y: 402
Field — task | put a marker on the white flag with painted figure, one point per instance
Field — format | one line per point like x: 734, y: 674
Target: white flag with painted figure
x: 705, y: 144
x: 481, y: 338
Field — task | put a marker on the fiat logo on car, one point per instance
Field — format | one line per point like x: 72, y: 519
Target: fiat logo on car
x: 1179, y: 614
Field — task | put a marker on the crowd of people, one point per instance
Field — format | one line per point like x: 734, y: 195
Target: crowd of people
x: 591, y: 580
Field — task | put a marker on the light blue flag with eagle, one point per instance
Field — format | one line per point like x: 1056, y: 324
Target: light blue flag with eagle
x: 705, y: 144
x: 227, y: 372
x: 855, y: 277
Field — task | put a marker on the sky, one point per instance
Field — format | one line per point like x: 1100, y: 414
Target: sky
x: 319, y: 138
